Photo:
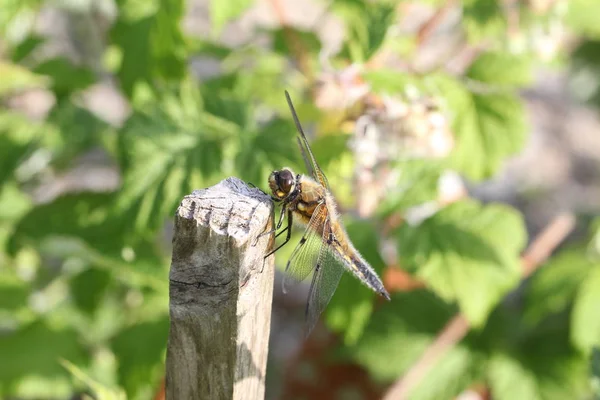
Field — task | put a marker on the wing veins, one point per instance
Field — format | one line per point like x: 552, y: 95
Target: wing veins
x: 312, y: 166
x: 325, y: 280
x: 304, y: 258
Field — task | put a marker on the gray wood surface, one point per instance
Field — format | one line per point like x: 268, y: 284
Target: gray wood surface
x: 220, y: 294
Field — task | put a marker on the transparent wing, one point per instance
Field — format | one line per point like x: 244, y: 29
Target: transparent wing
x: 306, y: 254
x: 307, y: 163
x: 309, y: 159
x: 325, y: 281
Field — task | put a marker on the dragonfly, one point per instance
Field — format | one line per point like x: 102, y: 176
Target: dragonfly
x: 325, y: 250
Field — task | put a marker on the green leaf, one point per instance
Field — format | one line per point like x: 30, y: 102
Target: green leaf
x: 152, y: 45
x: 328, y: 148
x: 399, y: 332
x: 501, y: 68
x: 581, y: 17
x: 140, y: 350
x: 88, y: 287
x: 389, y: 81
x: 553, y: 287
x: 466, y: 253
x: 488, y: 128
x: 65, y: 77
x: 534, y: 363
x: 26, y: 47
x: 284, y: 37
x: 36, y: 349
x: 14, y: 78
x: 510, y: 379
x: 17, y: 15
x: 168, y: 150
x: 367, y: 26
x: 78, y: 130
x: 273, y: 147
x: 352, y: 304
x: 416, y: 183
x: 80, y: 215
x: 17, y: 140
x: 222, y: 12
x: 13, y: 293
x: 483, y: 19
x: 266, y: 79
x: 585, y: 322
x: 100, y: 391
x: 595, y: 373
x: 585, y: 70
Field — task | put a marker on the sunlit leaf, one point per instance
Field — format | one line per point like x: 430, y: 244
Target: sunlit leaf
x: 15, y: 14
x: 222, y: 12
x: 367, y: 25
x: 503, y: 69
x: 416, y: 183
x: 168, y: 150
x: 580, y: 17
x: 14, y: 78
x: 488, y: 127
x: 389, y: 81
x: 466, y: 253
x: 585, y: 323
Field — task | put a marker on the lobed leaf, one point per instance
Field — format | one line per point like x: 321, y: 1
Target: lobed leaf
x: 152, y: 44
x: 466, y: 253
x: 488, y: 127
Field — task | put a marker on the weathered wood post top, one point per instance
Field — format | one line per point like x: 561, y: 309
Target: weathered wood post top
x: 220, y: 294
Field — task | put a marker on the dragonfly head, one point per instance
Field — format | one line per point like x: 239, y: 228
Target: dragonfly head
x: 282, y: 183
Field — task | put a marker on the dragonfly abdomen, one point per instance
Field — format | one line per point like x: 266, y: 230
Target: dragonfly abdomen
x: 355, y: 264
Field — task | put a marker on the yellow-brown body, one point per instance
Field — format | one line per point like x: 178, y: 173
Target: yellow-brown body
x: 303, y: 199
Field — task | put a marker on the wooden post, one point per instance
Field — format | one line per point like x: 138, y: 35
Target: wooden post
x: 220, y: 294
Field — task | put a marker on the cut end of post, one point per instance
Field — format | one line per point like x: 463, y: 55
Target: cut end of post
x: 220, y: 293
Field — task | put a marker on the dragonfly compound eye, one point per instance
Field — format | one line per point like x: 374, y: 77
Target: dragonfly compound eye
x: 286, y: 180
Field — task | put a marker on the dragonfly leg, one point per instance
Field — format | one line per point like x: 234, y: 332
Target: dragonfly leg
x: 288, y: 228
x: 274, y: 229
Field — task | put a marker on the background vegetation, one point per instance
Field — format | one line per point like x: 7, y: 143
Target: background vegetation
x: 401, y: 127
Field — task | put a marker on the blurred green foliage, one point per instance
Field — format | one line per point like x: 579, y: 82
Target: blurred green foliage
x: 83, y: 272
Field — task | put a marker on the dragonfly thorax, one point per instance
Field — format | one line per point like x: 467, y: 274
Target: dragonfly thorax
x: 282, y: 183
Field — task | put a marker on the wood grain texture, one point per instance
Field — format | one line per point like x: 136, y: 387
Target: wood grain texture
x: 220, y: 294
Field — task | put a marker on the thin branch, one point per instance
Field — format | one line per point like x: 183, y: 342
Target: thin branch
x: 457, y: 328
x: 432, y: 23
